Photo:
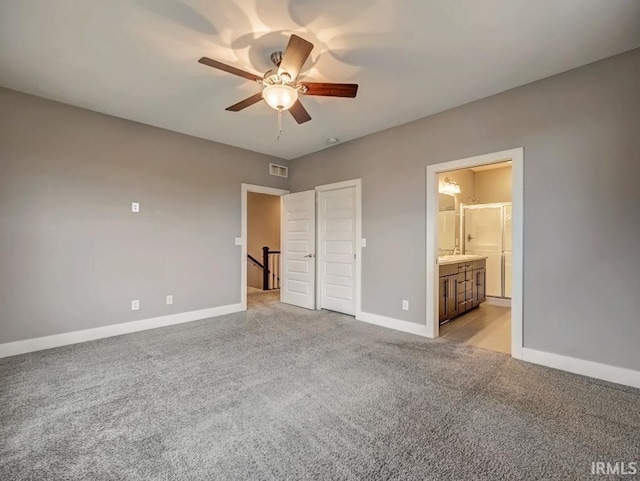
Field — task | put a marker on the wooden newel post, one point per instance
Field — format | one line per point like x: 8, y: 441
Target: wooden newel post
x: 265, y: 270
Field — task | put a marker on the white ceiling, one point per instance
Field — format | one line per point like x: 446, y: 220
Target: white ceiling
x: 137, y: 59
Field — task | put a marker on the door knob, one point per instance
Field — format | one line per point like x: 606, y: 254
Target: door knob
x: 309, y: 255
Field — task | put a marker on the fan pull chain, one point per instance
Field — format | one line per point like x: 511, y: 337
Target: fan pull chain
x: 279, y: 123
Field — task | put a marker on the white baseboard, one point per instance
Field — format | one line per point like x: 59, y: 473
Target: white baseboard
x: 619, y: 375
x: 498, y: 301
x: 391, y: 323
x: 57, y: 340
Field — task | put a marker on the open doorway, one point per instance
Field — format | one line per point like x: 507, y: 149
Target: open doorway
x: 474, y: 255
x: 261, y: 243
x: 474, y: 251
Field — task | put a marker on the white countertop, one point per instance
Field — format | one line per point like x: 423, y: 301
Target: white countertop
x: 445, y: 260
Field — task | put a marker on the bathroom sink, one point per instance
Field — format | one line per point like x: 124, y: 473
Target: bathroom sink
x: 452, y: 259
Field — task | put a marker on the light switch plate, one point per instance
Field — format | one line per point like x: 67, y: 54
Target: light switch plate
x: 363, y: 242
x: 135, y: 207
x: 238, y: 241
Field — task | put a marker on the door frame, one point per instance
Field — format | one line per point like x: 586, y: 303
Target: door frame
x: 357, y: 183
x: 517, y: 179
x: 245, y: 189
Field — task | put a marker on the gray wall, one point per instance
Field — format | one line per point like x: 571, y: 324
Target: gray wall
x: 73, y: 256
x: 581, y: 135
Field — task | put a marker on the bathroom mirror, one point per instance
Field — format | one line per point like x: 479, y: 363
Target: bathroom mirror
x: 446, y: 224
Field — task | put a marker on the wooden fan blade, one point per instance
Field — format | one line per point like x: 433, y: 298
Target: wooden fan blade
x: 331, y: 90
x: 299, y: 113
x: 228, y: 68
x: 245, y: 103
x: 295, y: 55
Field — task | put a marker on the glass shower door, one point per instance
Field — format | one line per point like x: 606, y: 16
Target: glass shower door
x: 508, y: 256
x: 483, y: 237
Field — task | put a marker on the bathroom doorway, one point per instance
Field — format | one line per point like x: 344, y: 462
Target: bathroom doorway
x: 474, y: 251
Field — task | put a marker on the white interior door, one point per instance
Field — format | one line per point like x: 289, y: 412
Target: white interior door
x: 298, y: 241
x: 337, y: 247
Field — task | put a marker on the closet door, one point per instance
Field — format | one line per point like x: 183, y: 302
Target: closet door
x: 336, y: 249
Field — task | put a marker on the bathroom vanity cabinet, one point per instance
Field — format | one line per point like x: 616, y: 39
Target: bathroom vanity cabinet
x: 462, y: 281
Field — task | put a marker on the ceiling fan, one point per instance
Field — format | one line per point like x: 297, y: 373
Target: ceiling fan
x: 281, y: 85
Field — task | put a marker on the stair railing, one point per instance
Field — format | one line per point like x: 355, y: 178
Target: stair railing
x: 271, y: 269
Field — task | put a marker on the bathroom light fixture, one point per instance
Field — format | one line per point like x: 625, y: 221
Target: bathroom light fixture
x: 449, y: 187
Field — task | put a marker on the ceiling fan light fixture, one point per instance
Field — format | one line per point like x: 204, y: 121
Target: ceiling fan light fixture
x: 280, y: 97
x: 280, y: 88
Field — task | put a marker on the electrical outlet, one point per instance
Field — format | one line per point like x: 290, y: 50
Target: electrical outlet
x: 135, y: 305
x: 169, y: 299
x: 135, y: 207
x: 238, y: 241
x: 405, y: 305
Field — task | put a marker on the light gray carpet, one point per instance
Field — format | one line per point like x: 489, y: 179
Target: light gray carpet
x: 284, y: 393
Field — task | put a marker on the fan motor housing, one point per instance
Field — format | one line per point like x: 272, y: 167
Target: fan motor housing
x: 276, y: 58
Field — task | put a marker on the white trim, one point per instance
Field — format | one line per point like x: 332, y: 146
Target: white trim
x: 357, y: 183
x: 57, y: 340
x: 620, y: 375
x: 258, y: 189
x: 391, y: 323
x: 498, y: 301
x: 339, y: 185
x: 517, y: 158
x: 517, y: 240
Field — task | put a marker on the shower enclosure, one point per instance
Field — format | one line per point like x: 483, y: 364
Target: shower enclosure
x: 486, y: 231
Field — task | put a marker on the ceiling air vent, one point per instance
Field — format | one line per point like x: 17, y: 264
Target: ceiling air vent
x: 279, y: 170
